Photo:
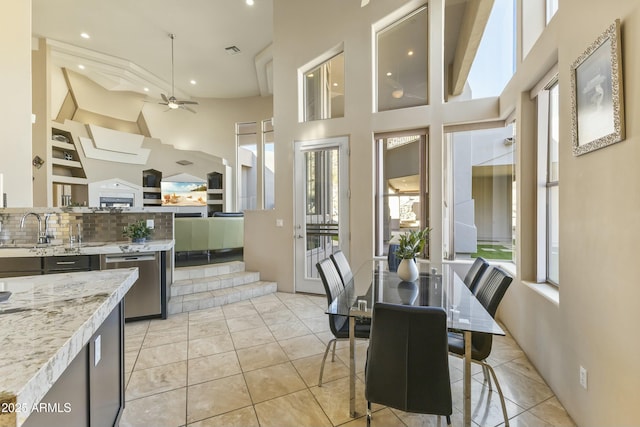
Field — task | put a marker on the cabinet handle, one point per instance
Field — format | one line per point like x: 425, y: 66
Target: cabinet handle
x: 65, y: 262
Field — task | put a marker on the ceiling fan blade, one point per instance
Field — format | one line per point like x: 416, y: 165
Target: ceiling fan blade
x: 188, y: 102
x: 164, y: 97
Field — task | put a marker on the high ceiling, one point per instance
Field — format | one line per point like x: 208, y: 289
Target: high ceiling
x: 129, y: 46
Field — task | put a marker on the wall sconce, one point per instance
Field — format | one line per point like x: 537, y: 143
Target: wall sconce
x: 37, y: 162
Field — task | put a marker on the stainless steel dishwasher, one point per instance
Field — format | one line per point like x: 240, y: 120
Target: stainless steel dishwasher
x: 144, y: 299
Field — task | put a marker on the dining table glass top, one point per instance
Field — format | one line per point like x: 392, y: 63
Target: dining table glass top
x: 442, y: 288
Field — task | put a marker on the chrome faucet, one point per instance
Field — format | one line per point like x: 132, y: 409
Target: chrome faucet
x: 42, y: 237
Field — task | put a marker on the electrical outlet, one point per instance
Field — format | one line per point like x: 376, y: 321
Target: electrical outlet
x: 150, y: 224
x: 279, y: 223
x: 583, y: 377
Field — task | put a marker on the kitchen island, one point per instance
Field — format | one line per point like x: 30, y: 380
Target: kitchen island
x: 60, y: 334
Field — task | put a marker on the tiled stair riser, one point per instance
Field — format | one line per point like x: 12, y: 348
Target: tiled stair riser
x: 197, y: 288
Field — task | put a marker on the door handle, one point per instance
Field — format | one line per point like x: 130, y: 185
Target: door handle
x: 299, y: 236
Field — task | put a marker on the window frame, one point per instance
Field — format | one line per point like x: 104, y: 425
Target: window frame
x: 546, y: 183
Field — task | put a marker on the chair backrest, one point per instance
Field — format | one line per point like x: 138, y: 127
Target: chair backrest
x: 491, y: 288
x: 474, y: 274
x: 343, y: 267
x: 333, y: 287
x: 392, y: 259
x: 489, y: 291
x: 407, y: 362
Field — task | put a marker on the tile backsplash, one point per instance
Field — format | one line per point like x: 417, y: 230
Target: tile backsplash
x: 100, y: 226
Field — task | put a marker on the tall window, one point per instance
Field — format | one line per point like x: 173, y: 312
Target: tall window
x: 548, y: 177
x: 268, y: 164
x: 402, y: 51
x: 256, y: 165
x: 402, y: 201
x: 323, y: 87
x: 247, y: 164
x: 481, y: 194
x: 551, y: 9
x: 494, y: 63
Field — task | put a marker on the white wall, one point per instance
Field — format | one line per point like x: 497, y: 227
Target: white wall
x: 594, y: 323
x: 15, y: 111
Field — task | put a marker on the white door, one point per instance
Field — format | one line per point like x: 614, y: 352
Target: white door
x: 322, y: 207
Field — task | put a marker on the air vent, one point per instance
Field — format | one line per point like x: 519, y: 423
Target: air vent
x: 232, y: 50
x: 184, y: 162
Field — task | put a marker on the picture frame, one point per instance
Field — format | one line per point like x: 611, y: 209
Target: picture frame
x: 597, y: 96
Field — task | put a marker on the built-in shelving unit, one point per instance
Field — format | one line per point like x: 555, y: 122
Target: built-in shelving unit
x: 215, y: 193
x: 68, y: 177
x: 151, y: 192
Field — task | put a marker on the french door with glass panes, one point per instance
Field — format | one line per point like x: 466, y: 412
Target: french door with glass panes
x: 322, y: 207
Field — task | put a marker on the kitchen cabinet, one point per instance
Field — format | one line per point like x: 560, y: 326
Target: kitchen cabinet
x: 90, y: 392
x: 33, y: 266
x: 151, y: 190
x: 68, y: 177
x: 215, y: 193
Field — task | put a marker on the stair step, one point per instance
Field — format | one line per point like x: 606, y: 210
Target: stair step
x: 210, y: 270
x: 219, y: 297
x: 211, y: 283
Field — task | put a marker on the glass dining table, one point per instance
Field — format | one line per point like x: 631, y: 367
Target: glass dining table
x: 442, y: 288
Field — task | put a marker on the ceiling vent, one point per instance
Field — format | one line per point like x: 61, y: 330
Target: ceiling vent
x: 184, y: 162
x: 232, y: 50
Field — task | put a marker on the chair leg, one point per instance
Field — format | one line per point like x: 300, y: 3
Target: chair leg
x: 487, y: 377
x: 448, y: 420
x: 495, y: 380
x: 324, y: 358
x: 333, y: 354
x: 368, y: 413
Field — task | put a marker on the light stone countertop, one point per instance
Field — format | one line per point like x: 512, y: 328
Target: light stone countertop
x: 45, y: 323
x: 85, y: 248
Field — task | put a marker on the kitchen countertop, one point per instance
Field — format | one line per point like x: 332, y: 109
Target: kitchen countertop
x: 86, y: 248
x: 44, y: 325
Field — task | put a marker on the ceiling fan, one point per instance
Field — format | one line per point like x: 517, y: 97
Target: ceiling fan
x: 172, y: 102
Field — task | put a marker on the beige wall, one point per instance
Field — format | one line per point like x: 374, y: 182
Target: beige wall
x: 594, y: 324
x: 15, y: 111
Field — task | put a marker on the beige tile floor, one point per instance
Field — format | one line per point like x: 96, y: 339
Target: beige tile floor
x: 256, y: 363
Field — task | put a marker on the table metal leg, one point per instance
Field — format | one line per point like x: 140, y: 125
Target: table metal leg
x: 467, y: 379
x: 352, y: 366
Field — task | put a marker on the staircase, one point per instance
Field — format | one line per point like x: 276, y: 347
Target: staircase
x: 213, y: 285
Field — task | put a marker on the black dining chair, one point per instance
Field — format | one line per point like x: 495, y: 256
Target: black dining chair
x: 476, y: 271
x: 489, y: 291
x: 339, y: 325
x: 407, y: 360
x: 343, y: 267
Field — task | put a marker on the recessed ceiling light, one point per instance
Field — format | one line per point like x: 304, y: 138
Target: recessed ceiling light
x: 146, y: 89
x: 250, y: 2
x: 335, y: 84
x: 389, y: 74
x: 81, y: 66
x: 192, y: 82
x: 85, y: 36
x: 410, y: 53
x: 310, y: 75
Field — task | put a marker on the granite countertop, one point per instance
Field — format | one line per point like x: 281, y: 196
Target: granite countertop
x: 85, y: 248
x: 44, y: 325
